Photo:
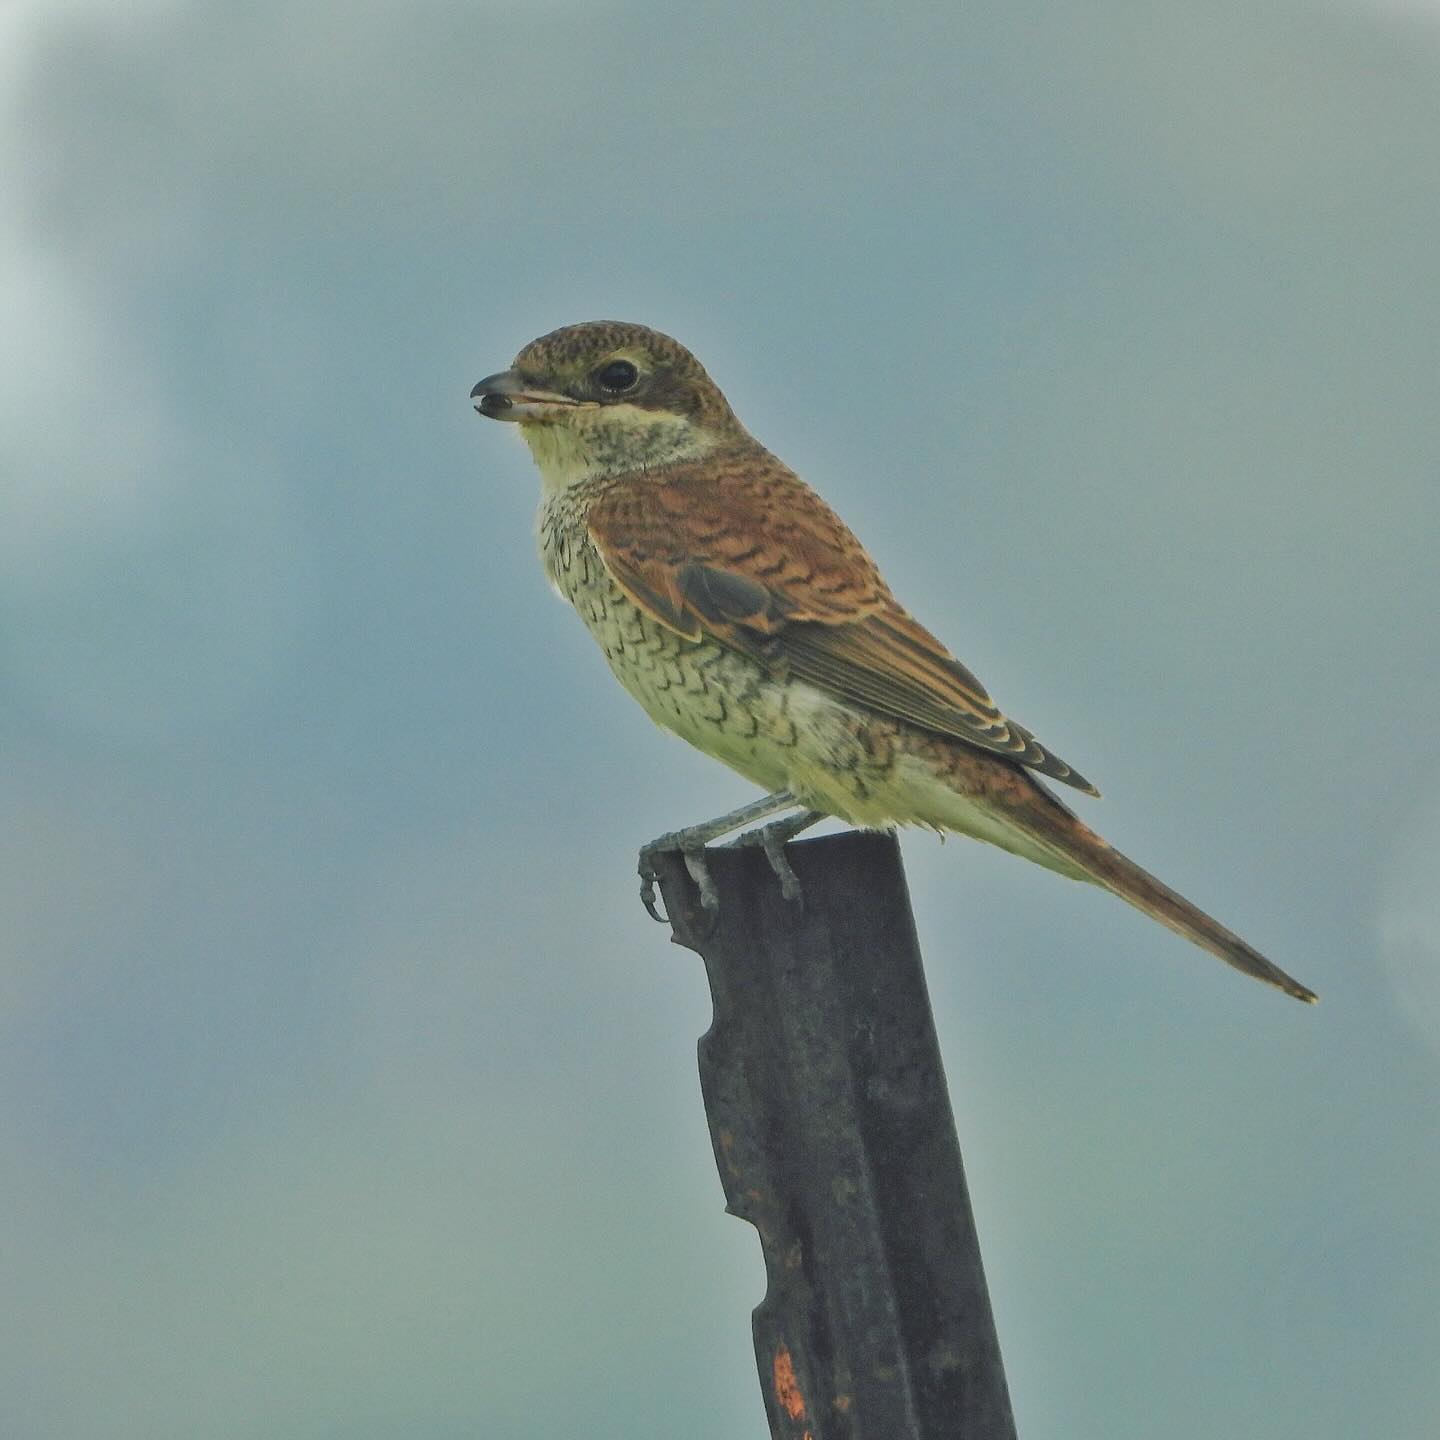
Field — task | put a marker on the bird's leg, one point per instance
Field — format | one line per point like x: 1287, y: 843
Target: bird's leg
x: 773, y: 838
x: 691, y: 843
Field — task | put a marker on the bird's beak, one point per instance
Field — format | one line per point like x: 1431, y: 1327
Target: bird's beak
x: 507, y: 397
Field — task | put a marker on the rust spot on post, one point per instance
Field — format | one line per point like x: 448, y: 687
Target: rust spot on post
x: 787, y: 1387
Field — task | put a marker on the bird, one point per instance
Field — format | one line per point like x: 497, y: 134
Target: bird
x: 743, y: 615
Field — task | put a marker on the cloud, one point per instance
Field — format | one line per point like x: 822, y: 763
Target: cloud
x: 146, y: 583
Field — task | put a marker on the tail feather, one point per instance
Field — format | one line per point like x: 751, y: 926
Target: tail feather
x: 1058, y: 830
x: 1123, y: 877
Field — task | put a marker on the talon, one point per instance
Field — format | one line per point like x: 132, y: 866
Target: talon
x: 647, y: 892
x: 700, y: 874
x: 648, y: 901
x: 691, y: 843
x: 772, y: 839
x: 774, y: 846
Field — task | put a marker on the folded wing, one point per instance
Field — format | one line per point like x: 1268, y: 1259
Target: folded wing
x: 744, y: 552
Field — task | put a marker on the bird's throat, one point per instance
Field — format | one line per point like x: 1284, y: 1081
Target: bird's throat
x: 589, y: 445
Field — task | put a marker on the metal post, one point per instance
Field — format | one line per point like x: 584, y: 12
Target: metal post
x: 834, y: 1137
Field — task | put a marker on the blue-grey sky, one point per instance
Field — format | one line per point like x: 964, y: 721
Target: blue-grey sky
x: 345, y: 1090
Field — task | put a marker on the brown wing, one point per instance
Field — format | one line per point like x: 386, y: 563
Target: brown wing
x: 746, y: 553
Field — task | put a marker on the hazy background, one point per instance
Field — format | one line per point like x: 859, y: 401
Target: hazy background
x: 345, y: 1090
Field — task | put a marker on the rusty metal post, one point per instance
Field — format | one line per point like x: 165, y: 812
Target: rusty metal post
x: 834, y: 1136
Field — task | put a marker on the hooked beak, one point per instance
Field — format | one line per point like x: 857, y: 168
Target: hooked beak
x: 507, y: 397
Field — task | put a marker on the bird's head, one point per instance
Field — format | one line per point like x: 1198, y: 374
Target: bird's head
x: 604, y: 398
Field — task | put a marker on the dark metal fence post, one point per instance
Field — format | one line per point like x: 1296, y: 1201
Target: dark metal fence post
x: 834, y: 1136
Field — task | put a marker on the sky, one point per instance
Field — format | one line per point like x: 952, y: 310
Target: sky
x: 346, y: 1092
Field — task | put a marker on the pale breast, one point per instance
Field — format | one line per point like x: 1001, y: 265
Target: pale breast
x: 780, y: 735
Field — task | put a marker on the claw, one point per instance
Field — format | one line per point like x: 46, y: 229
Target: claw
x: 774, y: 847
x: 772, y: 839
x: 648, y: 877
x: 694, y: 857
x: 691, y: 844
x: 700, y: 874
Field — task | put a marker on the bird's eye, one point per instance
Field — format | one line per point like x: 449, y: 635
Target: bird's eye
x: 617, y: 377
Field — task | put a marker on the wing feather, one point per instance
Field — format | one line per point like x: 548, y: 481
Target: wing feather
x: 743, y: 551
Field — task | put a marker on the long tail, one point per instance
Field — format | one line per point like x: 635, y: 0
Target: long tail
x: 1056, y: 829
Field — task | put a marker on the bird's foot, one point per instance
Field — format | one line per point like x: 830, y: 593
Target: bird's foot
x: 691, y: 843
x: 772, y: 839
x: 692, y: 851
